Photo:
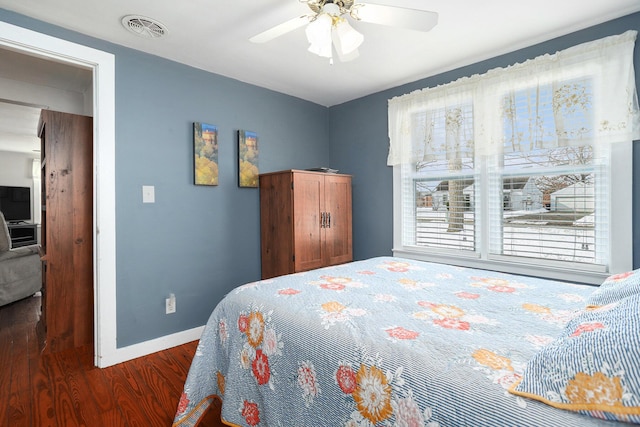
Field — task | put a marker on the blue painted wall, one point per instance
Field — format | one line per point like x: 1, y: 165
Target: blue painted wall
x: 358, y: 137
x: 200, y: 242
x: 196, y: 242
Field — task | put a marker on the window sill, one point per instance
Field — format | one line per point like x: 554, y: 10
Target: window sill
x: 543, y: 271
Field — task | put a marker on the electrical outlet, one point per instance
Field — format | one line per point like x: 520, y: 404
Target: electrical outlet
x: 170, y: 304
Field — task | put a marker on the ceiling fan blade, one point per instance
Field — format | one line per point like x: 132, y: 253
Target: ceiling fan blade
x: 394, y: 16
x: 280, y: 29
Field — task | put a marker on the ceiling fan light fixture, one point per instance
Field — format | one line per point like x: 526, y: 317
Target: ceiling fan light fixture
x: 327, y: 25
x: 346, y: 38
x: 332, y: 9
x: 322, y: 49
x: 319, y: 35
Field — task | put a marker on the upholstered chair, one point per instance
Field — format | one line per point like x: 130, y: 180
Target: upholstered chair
x: 20, y: 268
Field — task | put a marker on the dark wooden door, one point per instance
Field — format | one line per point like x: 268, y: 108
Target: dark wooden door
x: 67, y: 229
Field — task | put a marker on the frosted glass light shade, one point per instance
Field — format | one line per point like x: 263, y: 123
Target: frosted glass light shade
x: 347, y: 39
x: 319, y: 35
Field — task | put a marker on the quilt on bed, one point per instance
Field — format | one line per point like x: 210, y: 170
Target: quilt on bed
x: 381, y: 342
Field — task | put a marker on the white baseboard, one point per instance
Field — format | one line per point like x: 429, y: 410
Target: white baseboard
x: 144, y: 348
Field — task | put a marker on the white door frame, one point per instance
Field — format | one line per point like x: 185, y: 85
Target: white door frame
x: 104, y: 231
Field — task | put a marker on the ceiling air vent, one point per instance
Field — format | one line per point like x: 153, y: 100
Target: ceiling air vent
x: 144, y: 27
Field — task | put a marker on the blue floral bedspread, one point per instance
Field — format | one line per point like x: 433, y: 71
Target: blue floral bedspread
x: 381, y: 342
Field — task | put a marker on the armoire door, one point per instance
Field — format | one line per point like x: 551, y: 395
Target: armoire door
x: 338, y: 245
x: 309, y: 204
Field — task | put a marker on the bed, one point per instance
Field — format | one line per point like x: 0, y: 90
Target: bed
x: 395, y: 342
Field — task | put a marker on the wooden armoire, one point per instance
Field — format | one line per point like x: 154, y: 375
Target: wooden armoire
x: 67, y: 229
x: 305, y: 221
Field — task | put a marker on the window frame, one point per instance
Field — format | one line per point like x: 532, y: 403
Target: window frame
x: 620, y: 254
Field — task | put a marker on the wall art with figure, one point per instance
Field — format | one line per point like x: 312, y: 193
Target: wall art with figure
x: 205, y: 147
x: 248, y: 159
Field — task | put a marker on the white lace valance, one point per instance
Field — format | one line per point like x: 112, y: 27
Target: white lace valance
x: 584, y: 94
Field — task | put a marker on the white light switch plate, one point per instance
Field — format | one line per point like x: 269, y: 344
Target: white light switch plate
x: 148, y: 194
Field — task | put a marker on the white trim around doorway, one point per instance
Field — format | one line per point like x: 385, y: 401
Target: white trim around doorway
x: 103, y: 66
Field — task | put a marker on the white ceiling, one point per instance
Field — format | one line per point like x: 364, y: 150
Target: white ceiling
x: 214, y: 36
x: 27, y: 85
x: 18, y: 128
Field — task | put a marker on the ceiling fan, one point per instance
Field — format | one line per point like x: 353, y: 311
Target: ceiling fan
x: 328, y: 25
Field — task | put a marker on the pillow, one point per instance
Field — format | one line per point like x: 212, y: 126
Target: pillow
x: 593, y: 367
x: 615, y: 288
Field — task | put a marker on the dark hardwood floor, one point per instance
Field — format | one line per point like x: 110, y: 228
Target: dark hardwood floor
x: 39, y: 389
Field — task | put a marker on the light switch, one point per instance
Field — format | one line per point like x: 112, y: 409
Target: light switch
x: 148, y: 194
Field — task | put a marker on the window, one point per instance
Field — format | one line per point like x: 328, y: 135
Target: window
x: 525, y: 169
x: 550, y: 207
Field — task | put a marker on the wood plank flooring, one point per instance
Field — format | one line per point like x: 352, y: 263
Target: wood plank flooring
x: 64, y: 389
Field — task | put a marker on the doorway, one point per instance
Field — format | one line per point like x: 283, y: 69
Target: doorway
x: 102, y: 66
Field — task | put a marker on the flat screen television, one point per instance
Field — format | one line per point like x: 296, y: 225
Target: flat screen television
x: 15, y: 203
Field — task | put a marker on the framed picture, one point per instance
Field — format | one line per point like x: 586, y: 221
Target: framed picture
x: 205, y: 149
x: 248, y: 159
